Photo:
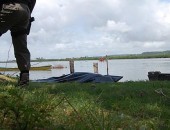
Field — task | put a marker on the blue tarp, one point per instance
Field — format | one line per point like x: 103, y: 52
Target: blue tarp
x: 82, y: 77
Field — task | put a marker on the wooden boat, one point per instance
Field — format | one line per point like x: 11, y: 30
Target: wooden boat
x: 38, y: 68
x: 58, y: 67
x: 157, y: 75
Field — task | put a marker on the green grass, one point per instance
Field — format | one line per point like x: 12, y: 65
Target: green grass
x: 74, y: 106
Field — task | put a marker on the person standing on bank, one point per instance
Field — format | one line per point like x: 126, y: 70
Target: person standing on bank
x: 15, y: 15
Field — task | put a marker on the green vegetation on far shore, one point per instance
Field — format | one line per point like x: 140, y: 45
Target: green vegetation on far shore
x: 141, y: 105
x: 144, y: 55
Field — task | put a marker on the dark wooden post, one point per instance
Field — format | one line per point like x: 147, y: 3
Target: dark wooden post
x: 107, y: 65
x: 95, y: 66
x: 71, y: 66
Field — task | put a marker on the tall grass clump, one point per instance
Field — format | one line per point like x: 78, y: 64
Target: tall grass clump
x: 21, y: 109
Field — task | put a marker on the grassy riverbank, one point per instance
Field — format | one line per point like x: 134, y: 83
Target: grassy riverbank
x: 73, y: 106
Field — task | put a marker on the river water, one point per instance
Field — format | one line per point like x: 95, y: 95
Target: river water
x: 130, y: 69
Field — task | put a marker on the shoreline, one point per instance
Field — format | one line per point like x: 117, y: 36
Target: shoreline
x: 90, y: 58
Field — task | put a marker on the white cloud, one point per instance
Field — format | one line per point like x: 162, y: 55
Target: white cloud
x: 111, y: 25
x: 96, y: 27
x: 152, y: 45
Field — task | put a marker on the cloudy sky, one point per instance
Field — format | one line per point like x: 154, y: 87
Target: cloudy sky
x: 75, y: 28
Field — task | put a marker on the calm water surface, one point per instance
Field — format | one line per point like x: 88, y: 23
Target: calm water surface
x: 130, y: 69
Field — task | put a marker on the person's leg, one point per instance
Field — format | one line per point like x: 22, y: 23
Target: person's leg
x: 16, y: 17
x: 21, y: 51
x: 19, y: 39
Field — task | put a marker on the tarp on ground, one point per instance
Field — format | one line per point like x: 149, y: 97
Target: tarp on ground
x: 82, y: 77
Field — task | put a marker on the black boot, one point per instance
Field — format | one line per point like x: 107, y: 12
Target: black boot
x: 24, y: 79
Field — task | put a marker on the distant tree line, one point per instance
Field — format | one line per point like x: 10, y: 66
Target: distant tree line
x: 144, y: 55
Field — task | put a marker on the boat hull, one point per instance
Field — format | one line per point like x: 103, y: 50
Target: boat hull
x: 157, y: 75
x: 38, y: 68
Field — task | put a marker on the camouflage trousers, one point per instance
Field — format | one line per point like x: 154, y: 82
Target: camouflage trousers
x: 15, y: 17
